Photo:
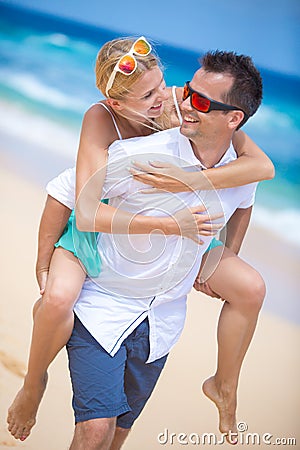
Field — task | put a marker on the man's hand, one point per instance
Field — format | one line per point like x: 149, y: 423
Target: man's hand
x: 205, y: 288
x: 42, y: 276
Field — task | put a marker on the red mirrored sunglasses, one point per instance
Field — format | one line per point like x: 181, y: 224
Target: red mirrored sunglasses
x: 205, y: 104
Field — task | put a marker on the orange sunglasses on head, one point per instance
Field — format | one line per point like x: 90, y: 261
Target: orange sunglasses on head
x: 127, y: 63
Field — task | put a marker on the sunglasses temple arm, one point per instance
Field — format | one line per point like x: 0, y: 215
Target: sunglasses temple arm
x: 246, y: 117
x: 110, y: 82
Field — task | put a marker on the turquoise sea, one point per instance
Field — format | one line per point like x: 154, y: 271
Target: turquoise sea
x: 47, y: 82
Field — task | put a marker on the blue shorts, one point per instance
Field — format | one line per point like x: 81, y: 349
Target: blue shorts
x: 106, y: 386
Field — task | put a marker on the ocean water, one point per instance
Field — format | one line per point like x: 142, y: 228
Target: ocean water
x: 47, y: 82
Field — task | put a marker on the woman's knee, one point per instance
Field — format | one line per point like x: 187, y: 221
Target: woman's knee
x: 59, y: 297
x: 238, y: 283
x: 253, y: 290
x: 36, y: 306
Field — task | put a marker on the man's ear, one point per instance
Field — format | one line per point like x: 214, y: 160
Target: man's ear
x: 115, y: 104
x: 236, y: 118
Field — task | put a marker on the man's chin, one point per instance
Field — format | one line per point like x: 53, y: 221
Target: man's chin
x: 185, y: 130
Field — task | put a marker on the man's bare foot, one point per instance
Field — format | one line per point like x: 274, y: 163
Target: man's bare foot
x: 22, y: 413
x: 226, y: 404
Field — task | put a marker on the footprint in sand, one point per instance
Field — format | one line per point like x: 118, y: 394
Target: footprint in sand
x: 11, y: 364
x: 6, y: 441
x: 7, y: 444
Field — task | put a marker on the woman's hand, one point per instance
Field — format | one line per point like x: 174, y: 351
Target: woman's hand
x: 163, y: 177
x: 194, y: 221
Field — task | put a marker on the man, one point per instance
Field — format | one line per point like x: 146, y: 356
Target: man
x: 129, y: 318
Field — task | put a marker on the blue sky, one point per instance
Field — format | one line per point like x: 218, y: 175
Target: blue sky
x: 265, y: 29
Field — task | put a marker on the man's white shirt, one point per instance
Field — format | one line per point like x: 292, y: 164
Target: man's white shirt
x: 146, y: 276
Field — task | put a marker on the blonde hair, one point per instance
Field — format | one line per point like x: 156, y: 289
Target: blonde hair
x: 106, y: 60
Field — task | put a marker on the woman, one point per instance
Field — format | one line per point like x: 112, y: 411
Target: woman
x: 135, y: 106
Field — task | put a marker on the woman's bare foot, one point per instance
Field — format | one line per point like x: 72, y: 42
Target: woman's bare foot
x: 226, y: 404
x: 22, y: 413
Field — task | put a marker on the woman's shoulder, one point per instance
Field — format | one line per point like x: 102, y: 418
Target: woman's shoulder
x: 173, y: 104
x: 99, y: 115
x: 175, y: 90
x: 99, y: 126
x: 98, y: 109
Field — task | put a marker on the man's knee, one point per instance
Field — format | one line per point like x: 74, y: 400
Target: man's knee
x: 119, y: 431
x: 119, y: 438
x: 96, y: 433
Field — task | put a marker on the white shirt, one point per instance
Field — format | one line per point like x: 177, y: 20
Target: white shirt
x: 146, y: 276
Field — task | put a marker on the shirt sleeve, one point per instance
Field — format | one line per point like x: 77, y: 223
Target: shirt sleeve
x: 249, y: 197
x: 118, y: 181
x: 62, y: 188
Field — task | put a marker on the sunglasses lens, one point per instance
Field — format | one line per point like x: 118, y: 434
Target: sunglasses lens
x: 142, y: 47
x: 127, y: 64
x: 200, y: 103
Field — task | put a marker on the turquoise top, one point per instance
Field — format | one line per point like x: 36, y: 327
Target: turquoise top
x: 83, y: 244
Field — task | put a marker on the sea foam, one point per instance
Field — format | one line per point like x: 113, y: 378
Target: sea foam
x: 51, y: 136
x: 34, y: 89
x: 283, y: 223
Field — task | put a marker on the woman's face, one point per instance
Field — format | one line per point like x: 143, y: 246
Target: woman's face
x: 147, y: 95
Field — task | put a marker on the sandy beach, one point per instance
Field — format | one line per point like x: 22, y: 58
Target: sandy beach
x: 269, y: 393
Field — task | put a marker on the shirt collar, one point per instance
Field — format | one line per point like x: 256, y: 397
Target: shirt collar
x: 189, y: 159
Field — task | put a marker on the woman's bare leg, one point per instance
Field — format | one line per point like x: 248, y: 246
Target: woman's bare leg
x: 243, y: 290
x: 53, y: 324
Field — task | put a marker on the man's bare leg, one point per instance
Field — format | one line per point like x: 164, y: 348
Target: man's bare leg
x: 96, y: 434
x: 243, y: 291
x: 53, y: 324
x: 119, y: 438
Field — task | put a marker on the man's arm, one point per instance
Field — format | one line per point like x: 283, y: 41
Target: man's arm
x: 232, y: 237
x: 53, y: 221
x: 233, y: 234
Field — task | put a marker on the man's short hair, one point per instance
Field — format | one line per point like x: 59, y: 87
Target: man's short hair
x: 247, y: 89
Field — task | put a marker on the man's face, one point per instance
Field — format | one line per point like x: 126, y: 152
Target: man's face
x: 206, y: 126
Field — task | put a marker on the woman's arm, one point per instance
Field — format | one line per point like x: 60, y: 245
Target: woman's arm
x: 96, y: 135
x: 53, y: 221
x: 252, y: 165
x: 185, y: 222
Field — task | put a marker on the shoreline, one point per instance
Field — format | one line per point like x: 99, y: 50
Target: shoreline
x: 269, y: 388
